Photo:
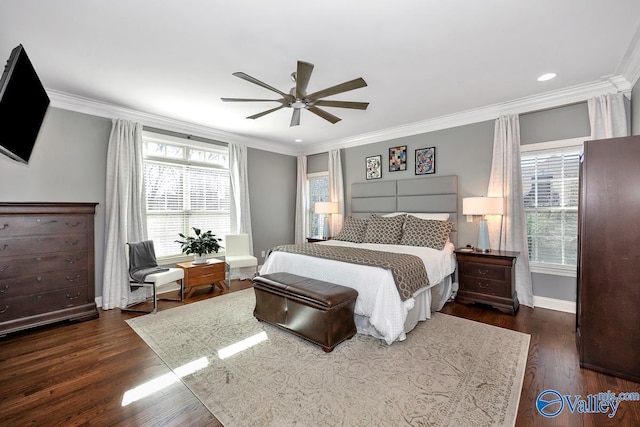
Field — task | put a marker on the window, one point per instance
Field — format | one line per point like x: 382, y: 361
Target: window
x: 550, y: 191
x: 318, y: 191
x: 187, y: 185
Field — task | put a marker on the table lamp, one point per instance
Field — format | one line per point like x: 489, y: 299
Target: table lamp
x: 326, y: 209
x: 483, y: 206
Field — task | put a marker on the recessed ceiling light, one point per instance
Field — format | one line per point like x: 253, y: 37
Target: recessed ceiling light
x: 297, y: 140
x: 547, y: 76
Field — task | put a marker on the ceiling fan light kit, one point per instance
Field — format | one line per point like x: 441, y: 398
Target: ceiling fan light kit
x: 298, y: 99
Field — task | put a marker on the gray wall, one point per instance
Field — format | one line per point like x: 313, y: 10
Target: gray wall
x: 68, y: 164
x: 272, y: 194
x: 635, y: 109
x: 466, y: 151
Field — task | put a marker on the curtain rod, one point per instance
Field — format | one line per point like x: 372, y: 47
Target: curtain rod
x: 184, y: 136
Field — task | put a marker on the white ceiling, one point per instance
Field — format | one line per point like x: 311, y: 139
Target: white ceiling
x: 423, y: 60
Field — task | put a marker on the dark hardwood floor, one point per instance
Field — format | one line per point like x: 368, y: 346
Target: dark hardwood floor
x: 76, y: 374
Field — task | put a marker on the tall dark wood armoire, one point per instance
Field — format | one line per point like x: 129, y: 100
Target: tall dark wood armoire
x: 608, y: 303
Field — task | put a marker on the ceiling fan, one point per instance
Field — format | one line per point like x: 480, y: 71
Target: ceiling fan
x: 298, y: 99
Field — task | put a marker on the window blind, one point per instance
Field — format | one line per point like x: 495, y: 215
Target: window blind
x: 186, y: 187
x: 550, y: 192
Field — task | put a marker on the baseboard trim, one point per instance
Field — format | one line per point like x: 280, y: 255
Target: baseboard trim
x: 554, y: 304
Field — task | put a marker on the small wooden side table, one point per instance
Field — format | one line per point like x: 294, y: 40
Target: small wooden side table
x: 197, y: 276
x: 488, y: 278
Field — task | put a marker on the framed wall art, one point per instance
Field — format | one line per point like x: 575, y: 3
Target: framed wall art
x: 374, y: 167
x: 398, y: 158
x: 425, y: 160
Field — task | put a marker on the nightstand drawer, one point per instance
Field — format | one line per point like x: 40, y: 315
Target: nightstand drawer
x: 483, y: 271
x: 207, y: 270
x: 206, y: 279
x: 486, y: 286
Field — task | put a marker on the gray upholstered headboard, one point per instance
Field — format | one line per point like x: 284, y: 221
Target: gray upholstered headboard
x: 437, y: 194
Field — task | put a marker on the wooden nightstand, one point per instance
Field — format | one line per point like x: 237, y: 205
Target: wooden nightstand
x: 315, y: 239
x: 488, y: 278
x: 198, y: 275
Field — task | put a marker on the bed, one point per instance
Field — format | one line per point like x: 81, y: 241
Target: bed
x: 381, y: 310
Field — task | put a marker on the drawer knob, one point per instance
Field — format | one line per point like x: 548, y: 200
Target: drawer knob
x: 4, y: 247
x: 4, y: 226
x: 72, y: 243
x: 483, y: 285
x: 4, y: 289
x: 72, y: 261
x: 72, y: 297
x: 483, y: 271
x: 4, y: 268
x: 39, y: 278
x: 74, y: 279
x: 4, y: 310
x: 38, y: 259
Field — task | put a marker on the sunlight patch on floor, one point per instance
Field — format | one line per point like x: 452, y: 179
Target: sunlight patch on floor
x: 242, y: 345
x: 163, y: 381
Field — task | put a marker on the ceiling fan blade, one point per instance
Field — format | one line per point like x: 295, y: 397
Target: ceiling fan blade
x: 325, y: 115
x: 255, y: 116
x: 295, y: 117
x: 253, y: 80
x: 249, y: 100
x: 342, y: 87
x: 342, y: 104
x: 303, y: 74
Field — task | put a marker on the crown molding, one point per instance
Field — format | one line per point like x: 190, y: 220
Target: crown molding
x: 630, y: 64
x: 558, y: 98
x: 89, y: 106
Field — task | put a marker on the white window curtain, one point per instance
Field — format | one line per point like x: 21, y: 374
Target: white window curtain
x: 336, y: 191
x: 509, y: 232
x: 240, y: 208
x: 608, y: 116
x: 125, y: 212
x: 301, y: 201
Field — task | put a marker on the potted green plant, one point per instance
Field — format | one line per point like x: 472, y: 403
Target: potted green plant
x: 200, y: 246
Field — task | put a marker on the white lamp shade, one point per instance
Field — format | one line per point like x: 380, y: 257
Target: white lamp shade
x: 482, y: 206
x: 326, y: 207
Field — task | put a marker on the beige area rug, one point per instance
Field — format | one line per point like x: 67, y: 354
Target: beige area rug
x: 448, y: 372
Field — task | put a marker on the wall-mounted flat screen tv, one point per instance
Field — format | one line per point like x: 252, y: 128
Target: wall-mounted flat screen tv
x: 23, y: 104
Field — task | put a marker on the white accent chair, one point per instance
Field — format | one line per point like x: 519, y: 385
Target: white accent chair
x: 154, y: 281
x: 238, y: 254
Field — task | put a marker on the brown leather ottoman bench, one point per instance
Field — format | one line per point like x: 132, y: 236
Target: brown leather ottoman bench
x: 317, y: 311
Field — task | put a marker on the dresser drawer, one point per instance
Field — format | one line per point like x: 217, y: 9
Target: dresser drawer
x: 42, y: 244
x: 485, y: 286
x: 30, y: 305
x: 42, y: 224
x: 25, y: 265
x: 483, y: 271
x: 44, y: 282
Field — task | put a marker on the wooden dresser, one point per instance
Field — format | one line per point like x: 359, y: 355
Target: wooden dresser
x: 47, y: 264
x: 488, y: 278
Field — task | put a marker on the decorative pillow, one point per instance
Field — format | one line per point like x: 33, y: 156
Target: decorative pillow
x: 387, y: 231
x: 434, y: 216
x: 426, y: 232
x: 352, y: 230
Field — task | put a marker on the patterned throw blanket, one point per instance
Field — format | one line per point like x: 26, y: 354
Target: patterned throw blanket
x: 408, y: 271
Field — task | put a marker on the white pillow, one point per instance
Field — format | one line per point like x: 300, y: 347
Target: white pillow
x: 432, y: 216
x: 391, y: 215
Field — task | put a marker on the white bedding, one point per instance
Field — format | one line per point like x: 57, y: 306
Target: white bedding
x: 378, y: 297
